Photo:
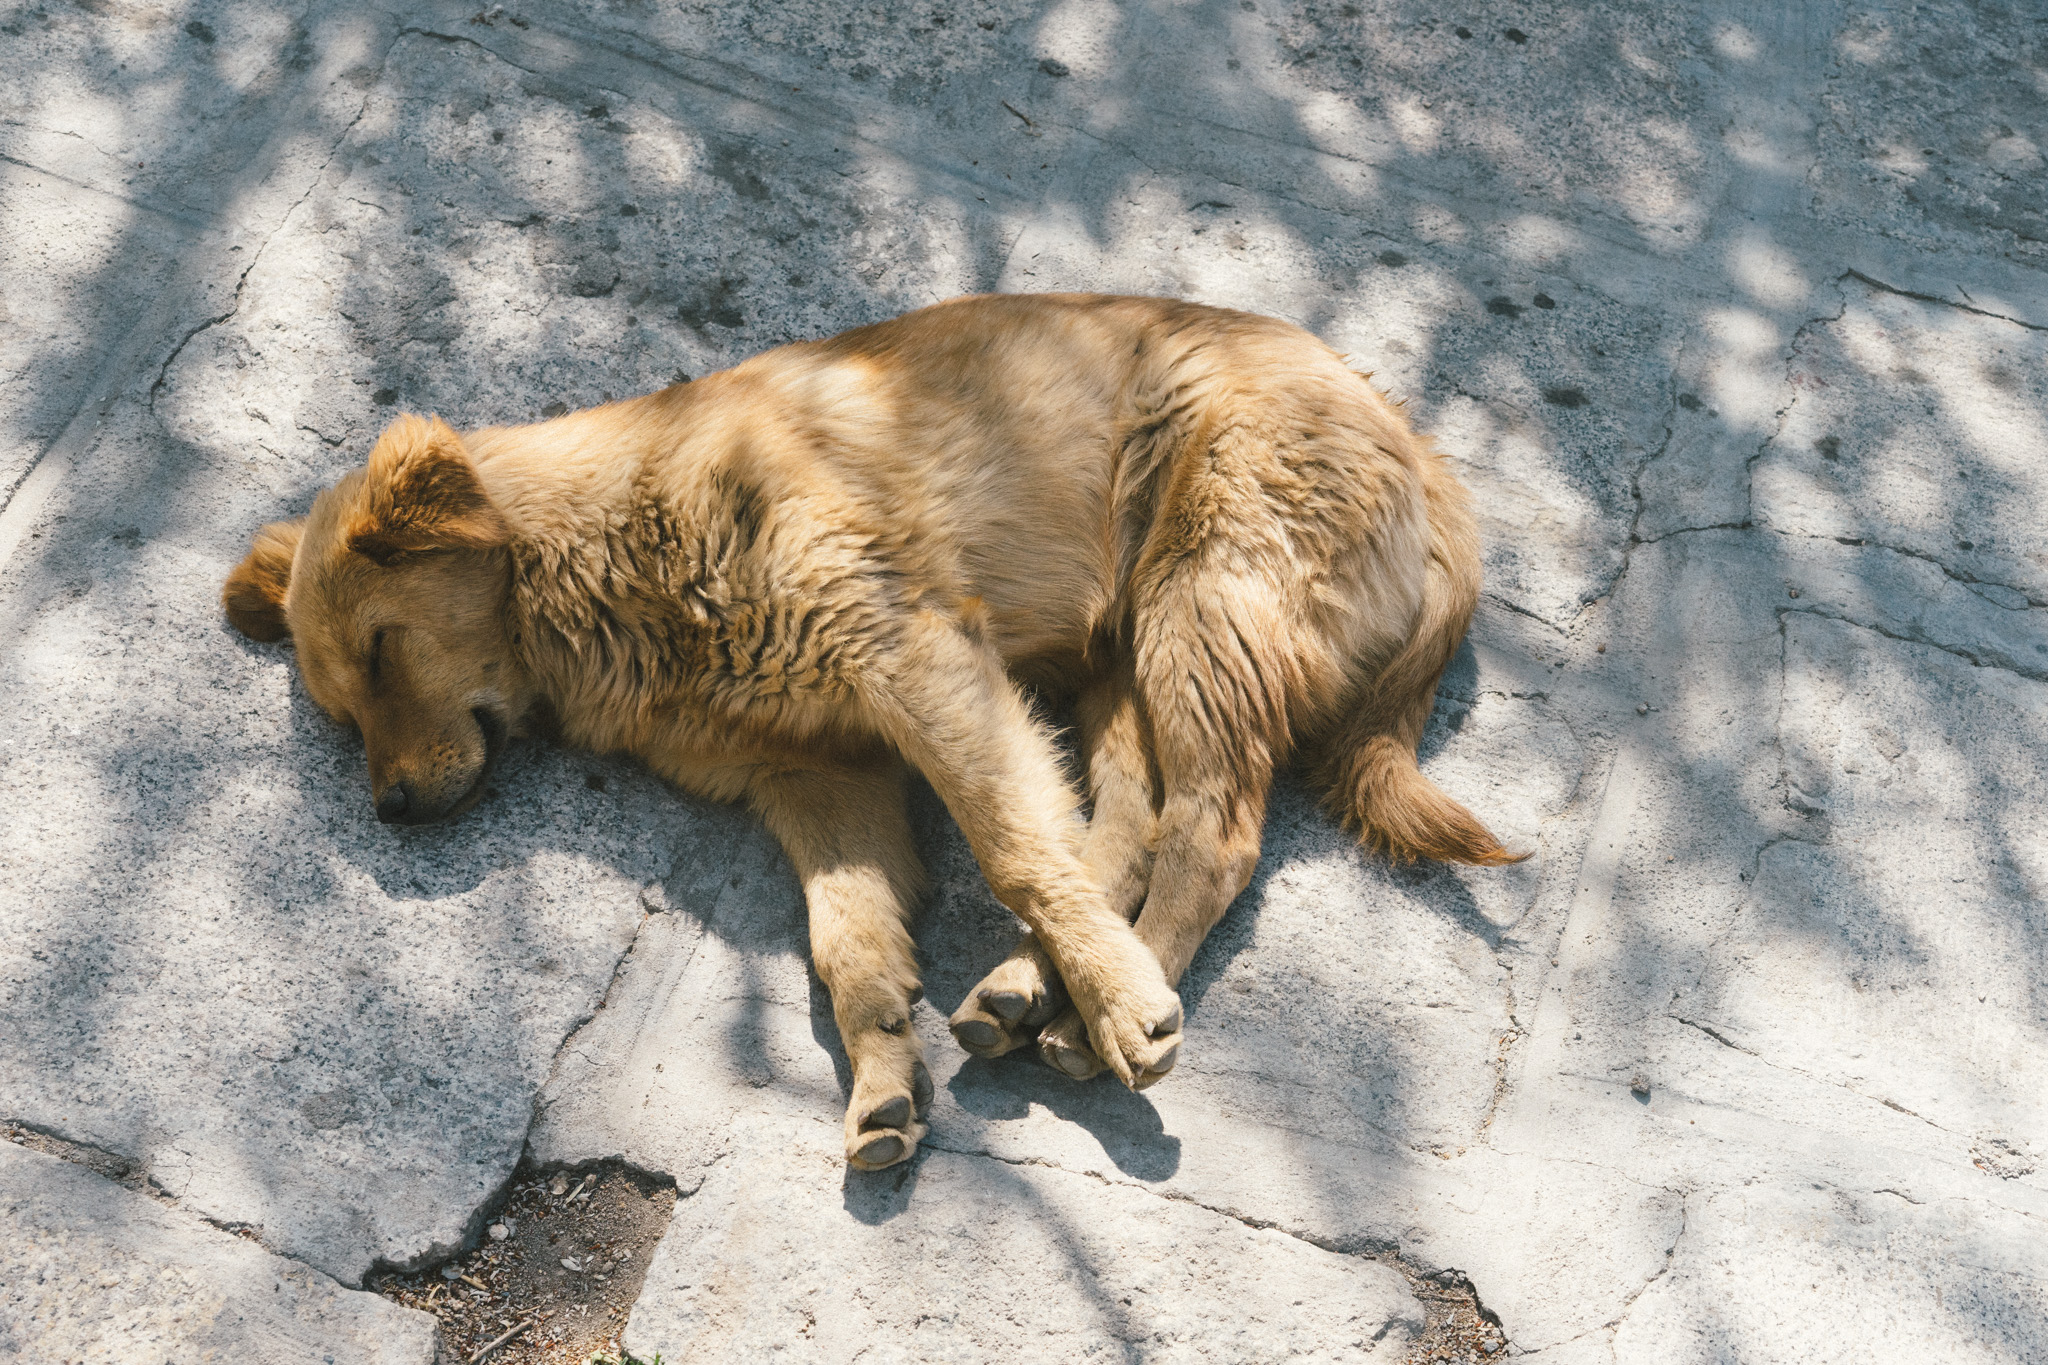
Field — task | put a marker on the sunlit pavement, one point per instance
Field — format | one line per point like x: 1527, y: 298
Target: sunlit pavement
x: 1733, y: 319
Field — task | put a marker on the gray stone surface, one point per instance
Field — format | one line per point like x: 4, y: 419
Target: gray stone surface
x: 92, y: 1271
x: 777, y: 1253
x: 1731, y: 315
x: 215, y: 967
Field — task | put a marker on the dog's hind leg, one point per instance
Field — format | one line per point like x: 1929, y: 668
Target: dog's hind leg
x: 942, y: 697
x: 1212, y: 692
x: 1007, y: 1009
x: 1208, y: 845
x: 848, y: 834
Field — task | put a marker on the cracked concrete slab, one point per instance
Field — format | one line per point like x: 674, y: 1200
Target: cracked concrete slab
x: 775, y: 1252
x: 1917, y: 427
x: 92, y: 1271
x: 1854, y: 936
x: 1732, y: 318
x: 1308, y: 1100
x: 1954, y: 1282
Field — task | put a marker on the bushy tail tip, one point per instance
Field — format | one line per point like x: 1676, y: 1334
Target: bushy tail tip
x: 1383, y: 796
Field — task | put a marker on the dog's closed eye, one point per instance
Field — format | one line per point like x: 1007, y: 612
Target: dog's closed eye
x: 376, y: 656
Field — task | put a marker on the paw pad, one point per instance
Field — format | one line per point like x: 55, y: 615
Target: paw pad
x: 1008, y: 1006
x: 893, y: 1112
x: 978, y: 1036
x: 880, y: 1150
x: 1079, y: 1065
x: 1156, y: 1072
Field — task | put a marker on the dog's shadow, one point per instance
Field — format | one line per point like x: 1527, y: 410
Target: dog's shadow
x: 1124, y: 1122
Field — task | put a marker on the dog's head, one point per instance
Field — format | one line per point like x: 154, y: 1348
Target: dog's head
x: 394, y: 591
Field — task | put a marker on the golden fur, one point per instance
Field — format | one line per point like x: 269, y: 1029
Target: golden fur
x: 782, y: 583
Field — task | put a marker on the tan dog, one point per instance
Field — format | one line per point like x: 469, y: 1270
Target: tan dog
x: 783, y: 582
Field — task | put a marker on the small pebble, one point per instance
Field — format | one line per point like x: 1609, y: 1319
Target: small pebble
x: 449, y: 1272
x: 570, y: 1263
x: 1791, y: 592
x: 558, y: 1186
x: 1642, y: 708
x: 499, y: 1232
x: 1639, y: 1086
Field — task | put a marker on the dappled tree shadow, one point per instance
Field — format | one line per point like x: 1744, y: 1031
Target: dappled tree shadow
x: 1593, y: 251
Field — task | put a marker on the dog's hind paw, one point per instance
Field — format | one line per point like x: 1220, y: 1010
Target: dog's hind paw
x: 1010, y: 1005
x: 1065, y: 1047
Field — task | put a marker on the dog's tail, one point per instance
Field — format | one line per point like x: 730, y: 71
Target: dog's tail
x: 1372, y: 782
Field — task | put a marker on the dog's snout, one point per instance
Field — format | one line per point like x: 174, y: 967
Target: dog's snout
x: 394, y: 803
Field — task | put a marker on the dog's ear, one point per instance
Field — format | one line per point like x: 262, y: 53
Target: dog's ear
x: 422, y: 493
x: 254, y: 593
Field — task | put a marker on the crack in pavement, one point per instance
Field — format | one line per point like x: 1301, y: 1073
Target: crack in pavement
x: 1957, y: 650
x: 1635, y: 493
x: 1961, y: 576
x: 25, y: 498
x: 1502, y: 1059
x: 1818, y: 609
x: 1783, y: 784
x: 182, y: 217
x: 1562, y: 631
x: 283, y: 221
x: 1368, y: 1247
x: 1715, y: 1034
x: 1670, y: 1259
x: 1787, y: 1067
x: 133, y: 1174
x: 1875, y: 283
x: 1790, y: 358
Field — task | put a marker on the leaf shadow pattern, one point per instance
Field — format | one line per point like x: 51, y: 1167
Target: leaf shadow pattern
x: 1411, y: 188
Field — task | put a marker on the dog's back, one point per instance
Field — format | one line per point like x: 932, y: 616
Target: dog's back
x: 1215, y: 491
x: 1210, y: 497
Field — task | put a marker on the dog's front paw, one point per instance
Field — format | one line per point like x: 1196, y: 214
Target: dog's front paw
x: 1010, y: 1005
x: 884, y: 1122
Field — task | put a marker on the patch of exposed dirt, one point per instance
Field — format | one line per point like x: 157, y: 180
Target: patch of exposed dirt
x: 1460, y: 1330
x: 558, y: 1270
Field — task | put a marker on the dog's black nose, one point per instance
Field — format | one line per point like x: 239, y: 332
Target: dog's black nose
x: 391, y: 806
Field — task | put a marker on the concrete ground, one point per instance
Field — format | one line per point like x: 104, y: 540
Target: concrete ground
x: 1734, y: 317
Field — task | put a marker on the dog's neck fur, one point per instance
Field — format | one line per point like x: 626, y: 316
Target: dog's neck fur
x: 563, y: 479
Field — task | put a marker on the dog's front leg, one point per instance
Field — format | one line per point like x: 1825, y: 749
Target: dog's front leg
x: 1024, y: 993
x: 946, y: 703
x: 848, y: 835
